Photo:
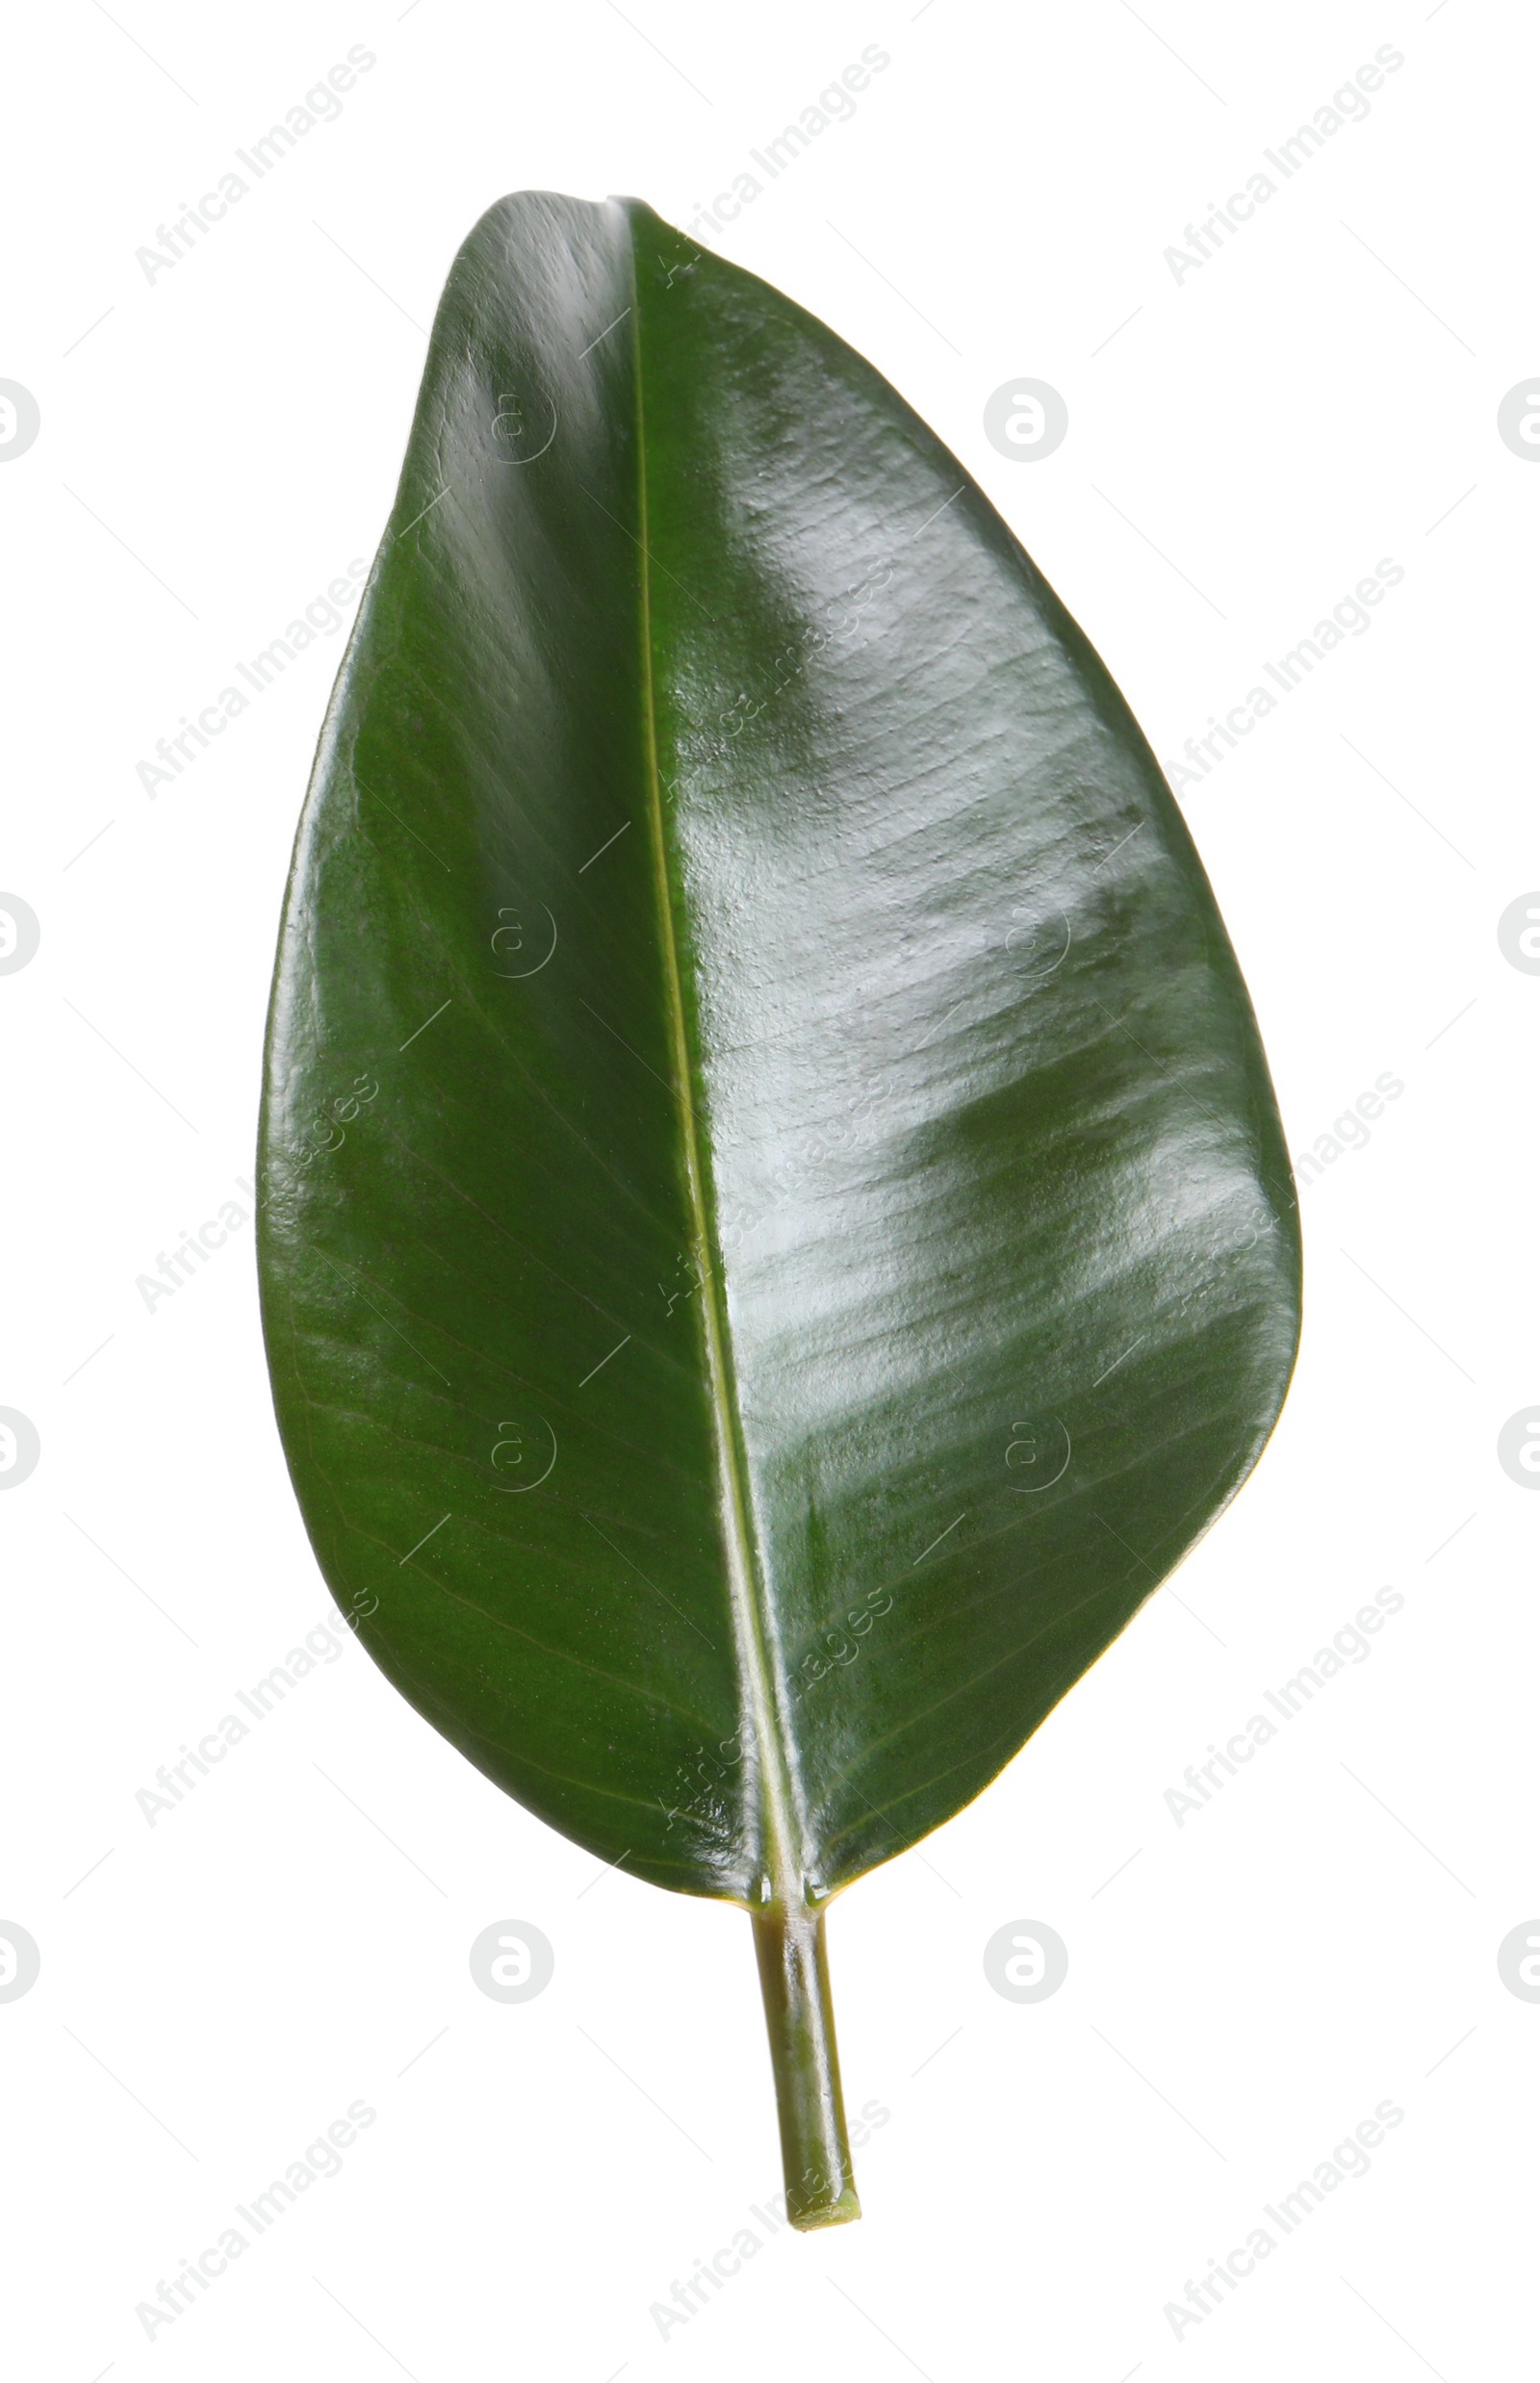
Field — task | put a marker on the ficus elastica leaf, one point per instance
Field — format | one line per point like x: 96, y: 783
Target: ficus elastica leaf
x: 775, y: 1230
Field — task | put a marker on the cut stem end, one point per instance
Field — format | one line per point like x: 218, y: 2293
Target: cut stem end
x: 814, y: 2147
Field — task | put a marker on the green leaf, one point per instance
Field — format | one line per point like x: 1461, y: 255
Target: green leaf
x: 775, y: 1232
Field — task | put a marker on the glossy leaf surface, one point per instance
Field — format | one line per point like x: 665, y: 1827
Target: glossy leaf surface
x: 775, y: 1234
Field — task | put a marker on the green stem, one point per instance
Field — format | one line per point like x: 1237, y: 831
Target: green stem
x: 814, y: 2148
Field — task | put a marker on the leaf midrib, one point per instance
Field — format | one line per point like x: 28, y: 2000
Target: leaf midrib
x: 752, y: 1622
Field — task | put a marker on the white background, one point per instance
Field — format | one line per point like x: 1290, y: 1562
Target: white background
x: 216, y: 444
